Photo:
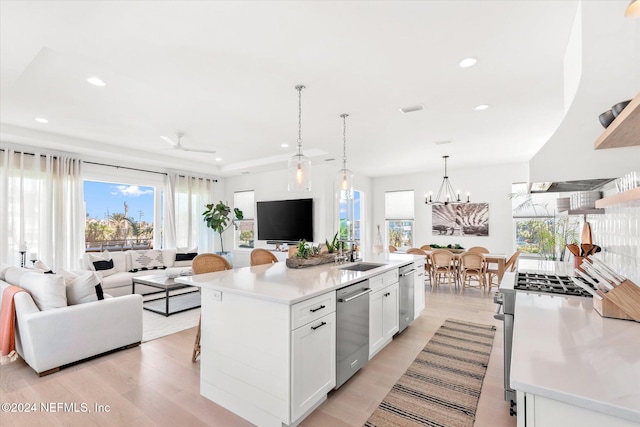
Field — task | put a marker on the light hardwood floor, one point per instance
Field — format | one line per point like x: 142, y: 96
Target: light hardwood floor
x: 156, y: 384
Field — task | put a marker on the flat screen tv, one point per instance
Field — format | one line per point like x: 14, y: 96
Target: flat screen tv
x: 285, y: 220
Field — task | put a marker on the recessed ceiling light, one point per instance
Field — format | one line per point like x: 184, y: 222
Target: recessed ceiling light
x: 443, y: 142
x: 96, y: 81
x: 329, y: 160
x: 218, y: 159
x: 285, y: 145
x: 245, y: 173
x: 406, y: 110
x: 41, y: 120
x: 468, y: 62
x: 481, y: 107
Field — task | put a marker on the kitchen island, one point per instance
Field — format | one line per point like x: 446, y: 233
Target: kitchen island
x: 269, y: 334
x: 572, y: 367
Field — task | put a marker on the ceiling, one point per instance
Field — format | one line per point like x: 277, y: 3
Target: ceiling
x: 224, y: 74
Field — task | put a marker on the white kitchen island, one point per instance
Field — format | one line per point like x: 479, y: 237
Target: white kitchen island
x: 269, y: 335
x: 572, y: 367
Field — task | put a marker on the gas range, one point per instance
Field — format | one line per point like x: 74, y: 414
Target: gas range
x: 553, y: 285
x: 549, y: 284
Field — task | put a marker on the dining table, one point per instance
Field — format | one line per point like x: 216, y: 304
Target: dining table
x: 491, y: 258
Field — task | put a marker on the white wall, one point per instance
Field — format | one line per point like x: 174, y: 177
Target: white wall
x: 273, y: 186
x: 490, y: 184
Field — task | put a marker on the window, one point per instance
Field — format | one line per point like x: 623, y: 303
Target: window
x: 118, y: 216
x: 399, y: 216
x: 245, y: 201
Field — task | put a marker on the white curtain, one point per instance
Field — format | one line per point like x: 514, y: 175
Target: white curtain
x: 42, y: 208
x: 190, y: 195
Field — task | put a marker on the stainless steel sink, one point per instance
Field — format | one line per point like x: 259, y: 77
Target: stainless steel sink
x: 361, y: 266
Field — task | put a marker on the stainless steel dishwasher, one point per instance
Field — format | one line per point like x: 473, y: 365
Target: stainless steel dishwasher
x: 407, y: 295
x: 352, y: 330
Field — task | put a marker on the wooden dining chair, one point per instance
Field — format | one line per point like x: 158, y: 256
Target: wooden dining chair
x: 427, y: 262
x: 292, y: 251
x: 392, y: 248
x: 425, y: 247
x: 478, y: 249
x: 262, y: 256
x: 472, y: 265
x: 442, y: 265
x: 510, y: 265
x: 206, y: 263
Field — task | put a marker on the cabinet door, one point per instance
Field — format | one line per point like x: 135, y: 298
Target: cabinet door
x: 376, y: 335
x: 313, y: 363
x: 390, y: 311
x: 418, y: 298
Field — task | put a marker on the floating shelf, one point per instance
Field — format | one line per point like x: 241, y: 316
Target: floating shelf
x: 630, y: 196
x: 592, y: 211
x: 624, y: 131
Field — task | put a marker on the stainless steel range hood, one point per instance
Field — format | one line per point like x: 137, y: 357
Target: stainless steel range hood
x: 569, y: 186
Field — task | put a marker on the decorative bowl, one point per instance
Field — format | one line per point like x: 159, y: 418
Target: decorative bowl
x: 617, y: 109
x: 606, y: 118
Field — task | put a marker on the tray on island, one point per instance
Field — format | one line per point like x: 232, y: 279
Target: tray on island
x: 311, y: 261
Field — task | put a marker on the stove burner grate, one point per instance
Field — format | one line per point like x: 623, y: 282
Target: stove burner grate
x: 549, y: 283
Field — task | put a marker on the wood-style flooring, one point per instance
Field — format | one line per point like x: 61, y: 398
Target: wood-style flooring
x: 156, y: 384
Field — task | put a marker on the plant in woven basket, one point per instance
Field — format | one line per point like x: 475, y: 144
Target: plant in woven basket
x: 218, y: 218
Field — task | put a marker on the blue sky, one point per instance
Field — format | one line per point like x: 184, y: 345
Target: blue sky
x: 103, y: 197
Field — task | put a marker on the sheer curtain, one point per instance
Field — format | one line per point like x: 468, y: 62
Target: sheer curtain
x: 188, y: 195
x: 42, y: 208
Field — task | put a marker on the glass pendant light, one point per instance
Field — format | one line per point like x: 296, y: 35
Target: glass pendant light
x: 299, y: 168
x: 344, y: 190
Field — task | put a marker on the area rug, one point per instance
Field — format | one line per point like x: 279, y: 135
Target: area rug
x: 442, y: 386
x: 156, y: 325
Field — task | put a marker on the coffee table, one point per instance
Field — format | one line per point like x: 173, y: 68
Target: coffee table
x: 169, y: 304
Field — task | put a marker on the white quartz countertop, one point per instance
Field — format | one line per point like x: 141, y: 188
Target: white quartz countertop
x: 565, y: 351
x: 276, y: 282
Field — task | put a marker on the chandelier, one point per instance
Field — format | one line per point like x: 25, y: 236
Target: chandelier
x: 299, y: 167
x: 448, y: 191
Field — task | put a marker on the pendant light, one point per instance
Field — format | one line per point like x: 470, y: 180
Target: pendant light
x: 446, y: 186
x: 344, y: 190
x: 299, y: 168
x: 345, y: 176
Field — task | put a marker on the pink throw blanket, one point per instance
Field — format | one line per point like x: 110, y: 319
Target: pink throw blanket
x: 7, y: 325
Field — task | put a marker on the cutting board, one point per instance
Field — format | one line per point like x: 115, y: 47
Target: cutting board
x: 586, y: 233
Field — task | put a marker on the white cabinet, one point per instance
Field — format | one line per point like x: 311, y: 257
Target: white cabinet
x: 418, y: 298
x: 383, y: 317
x: 313, y: 359
x: 537, y: 411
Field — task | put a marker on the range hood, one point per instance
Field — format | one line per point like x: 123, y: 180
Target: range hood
x: 569, y: 186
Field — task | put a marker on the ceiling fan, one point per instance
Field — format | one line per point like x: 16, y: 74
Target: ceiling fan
x: 178, y: 145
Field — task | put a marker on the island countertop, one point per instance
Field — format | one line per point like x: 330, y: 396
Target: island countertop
x: 565, y: 351
x: 276, y: 282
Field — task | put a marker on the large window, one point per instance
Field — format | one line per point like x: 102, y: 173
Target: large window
x: 357, y: 217
x: 245, y: 234
x: 118, y: 216
x: 399, y: 216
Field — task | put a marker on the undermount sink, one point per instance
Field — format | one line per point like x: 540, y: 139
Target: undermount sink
x: 361, y: 266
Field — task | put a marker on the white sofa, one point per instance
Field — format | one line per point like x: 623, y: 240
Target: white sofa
x: 52, y: 338
x: 120, y: 282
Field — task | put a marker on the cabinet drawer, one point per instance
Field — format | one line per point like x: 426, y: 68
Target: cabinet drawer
x: 312, y: 309
x: 384, y: 279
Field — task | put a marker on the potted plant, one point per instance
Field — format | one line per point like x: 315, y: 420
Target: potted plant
x: 218, y: 219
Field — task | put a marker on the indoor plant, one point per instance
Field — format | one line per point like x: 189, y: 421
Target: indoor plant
x: 218, y: 219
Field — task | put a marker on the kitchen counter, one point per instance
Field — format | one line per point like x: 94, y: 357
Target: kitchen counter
x: 565, y: 351
x: 278, y: 283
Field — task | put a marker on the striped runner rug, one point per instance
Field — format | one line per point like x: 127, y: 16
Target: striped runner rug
x: 442, y: 386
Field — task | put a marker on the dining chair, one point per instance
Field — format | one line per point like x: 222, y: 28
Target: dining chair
x: 510, y: 265
x: 478, y: 249
x: 427, y: 261
x: 262, y: 256
x: 472, y: 265
x: 292, y: 251
x: 425, y: 247
x: 392, y: 248
x: 206, y: 263
x: 442, y: 265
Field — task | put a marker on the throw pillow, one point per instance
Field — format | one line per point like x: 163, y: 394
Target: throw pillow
x: 184, y: 256
x: 42, y: 266
x: 102, y: 263
x: 14, y: 274
x: 82, y: 288
x: 47, y: 290
x: 146, y: 260
x: 3, y: 270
